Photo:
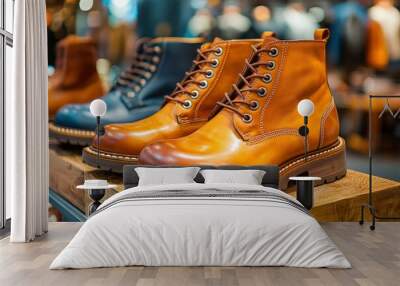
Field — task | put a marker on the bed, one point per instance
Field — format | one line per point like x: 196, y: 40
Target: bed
x: 201, y: 224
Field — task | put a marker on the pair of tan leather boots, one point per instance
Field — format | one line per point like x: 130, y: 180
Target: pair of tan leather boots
x: 238, y: 106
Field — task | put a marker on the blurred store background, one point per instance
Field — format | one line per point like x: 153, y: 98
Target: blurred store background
x: 363, y: 53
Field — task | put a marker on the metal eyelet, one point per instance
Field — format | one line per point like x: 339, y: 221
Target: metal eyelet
x: 247, y: 118
x: 262, y: 91
x: 157, y: 49
x: 273, y: 52
x: 203, y: 84
x: 218, y: 51
x: 271, y: 65
x: 209, y: 74
x: 254, y: 105
x: 152, y: 68
x: 136, y: 88
x: 214, y: 63
x: 194, y: 94
x: 156, y: 60
x: 187, y: 104
x: 147, y: 75
x: 130, y: 94
x: 267, y: 78
x: 142, y: 82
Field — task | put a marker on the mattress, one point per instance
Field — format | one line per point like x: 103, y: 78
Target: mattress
x: 201, y: 225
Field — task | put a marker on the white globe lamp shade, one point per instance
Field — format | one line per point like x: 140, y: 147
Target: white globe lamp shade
x: 98, y: 107
x: 305, y: 107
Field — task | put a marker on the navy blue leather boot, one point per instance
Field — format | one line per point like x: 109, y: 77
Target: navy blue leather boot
x: 139, y: 91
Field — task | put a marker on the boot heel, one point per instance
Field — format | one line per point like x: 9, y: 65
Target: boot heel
x: 329, y: 164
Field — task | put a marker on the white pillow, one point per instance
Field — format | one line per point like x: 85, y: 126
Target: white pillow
x: 248, y: 177
x: 166, y: 176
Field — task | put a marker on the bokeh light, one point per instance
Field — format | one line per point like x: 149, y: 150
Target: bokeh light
x: 85, y: 5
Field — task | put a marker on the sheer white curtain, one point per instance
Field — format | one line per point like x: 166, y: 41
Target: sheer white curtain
x: 26, y: 124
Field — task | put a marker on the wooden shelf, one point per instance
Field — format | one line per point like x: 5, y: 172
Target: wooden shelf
x: 68, y: 171
x: 341, y: 200
x: 338, y: 201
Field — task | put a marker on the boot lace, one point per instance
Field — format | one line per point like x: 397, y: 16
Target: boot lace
x: 199, y: 65
x: 246, y: 86
x: 142, y: 67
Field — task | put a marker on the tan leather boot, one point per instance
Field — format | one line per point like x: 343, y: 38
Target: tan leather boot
x: 75, y: 79
x: 188, y: 108
x: 260, y: 126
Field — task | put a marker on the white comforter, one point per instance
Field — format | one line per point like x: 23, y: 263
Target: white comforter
x: 191, y: 230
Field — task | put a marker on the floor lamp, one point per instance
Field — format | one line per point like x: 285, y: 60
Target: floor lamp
x: 97, y: 188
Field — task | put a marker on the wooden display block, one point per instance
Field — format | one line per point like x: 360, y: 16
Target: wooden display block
x: 338, y: 201
x: 68, y: 171
x: 341, y: 200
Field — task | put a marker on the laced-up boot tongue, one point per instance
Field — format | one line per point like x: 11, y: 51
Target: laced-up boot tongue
x: 194, y: 80
x: 217, y: 40
x: 134, y: 77
x: 209, y: 45
x: 257, y: 67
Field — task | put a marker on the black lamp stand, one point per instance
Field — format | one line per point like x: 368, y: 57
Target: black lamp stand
x: 305, y: 185
x: 303, y: 131
x: 99, y: 132
x: 305, y: 193
x: 97, y: 194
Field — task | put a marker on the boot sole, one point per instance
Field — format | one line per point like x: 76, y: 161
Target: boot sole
x: 70, y: 135
x: 108, y: 161
x: 328, y: 163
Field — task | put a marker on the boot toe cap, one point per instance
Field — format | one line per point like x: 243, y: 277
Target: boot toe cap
x: 118, y: 140
x: 162, y: 153
x: 76, y: 116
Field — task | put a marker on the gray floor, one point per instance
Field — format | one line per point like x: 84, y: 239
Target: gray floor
x: 374, y: 255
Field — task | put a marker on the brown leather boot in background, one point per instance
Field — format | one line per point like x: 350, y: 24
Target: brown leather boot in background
x: 75, y: 79
x: 56, y: 78
x: 188, y: 108
x: 259, y: 125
